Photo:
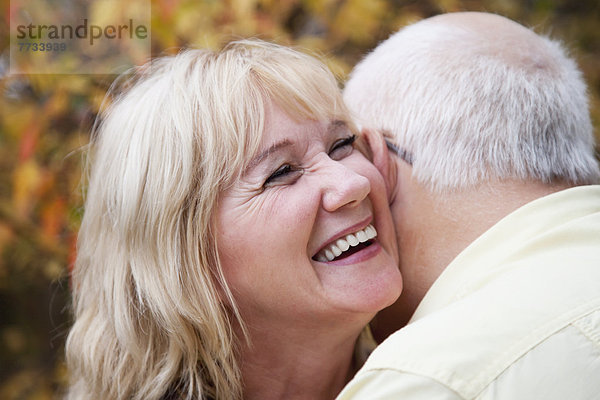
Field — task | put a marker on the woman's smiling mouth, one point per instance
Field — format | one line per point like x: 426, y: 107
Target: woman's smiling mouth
x: 347, y: 245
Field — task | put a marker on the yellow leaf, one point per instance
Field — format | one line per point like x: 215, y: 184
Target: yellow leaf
x: 449, y: 5
x: 358, y: 20
x: 26, y: 180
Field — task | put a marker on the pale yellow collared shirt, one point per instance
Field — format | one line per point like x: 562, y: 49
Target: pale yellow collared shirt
x: 515, y: 316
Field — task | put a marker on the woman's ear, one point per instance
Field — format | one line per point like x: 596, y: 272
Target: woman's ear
x: 382, y: 160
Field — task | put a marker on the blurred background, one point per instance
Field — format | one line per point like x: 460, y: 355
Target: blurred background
x: 45, y: 122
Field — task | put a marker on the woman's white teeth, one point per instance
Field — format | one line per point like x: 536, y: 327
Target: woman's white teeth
x: 329, y: 255
x: 336, y: 250
x: 361, y: 236
x: 341, y: 245
x: 353, y: 240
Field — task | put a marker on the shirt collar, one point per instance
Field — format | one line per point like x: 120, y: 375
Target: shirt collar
x: 489, y: 255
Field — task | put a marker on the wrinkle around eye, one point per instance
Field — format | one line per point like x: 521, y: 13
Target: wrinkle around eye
x: 286, y: 179
x: 247, y: 200
x: 264, y: 201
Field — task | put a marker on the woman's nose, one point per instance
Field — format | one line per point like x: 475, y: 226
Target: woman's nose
x: 342, y: 186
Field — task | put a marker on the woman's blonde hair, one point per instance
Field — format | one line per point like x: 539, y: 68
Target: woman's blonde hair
x: 153, y: 314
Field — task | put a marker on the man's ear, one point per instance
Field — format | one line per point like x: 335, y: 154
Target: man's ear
x: 382, y: 160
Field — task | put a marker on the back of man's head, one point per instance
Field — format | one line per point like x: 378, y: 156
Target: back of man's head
x: 476, y: 97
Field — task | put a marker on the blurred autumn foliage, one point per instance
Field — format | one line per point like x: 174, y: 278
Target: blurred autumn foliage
x: 45, y: 122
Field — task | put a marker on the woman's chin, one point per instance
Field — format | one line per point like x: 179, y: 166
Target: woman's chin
x: 367, y: 281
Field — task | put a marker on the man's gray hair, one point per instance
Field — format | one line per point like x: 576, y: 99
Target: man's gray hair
x: 474, y: 107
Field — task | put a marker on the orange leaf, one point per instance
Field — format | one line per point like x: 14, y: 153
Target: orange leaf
x: 26, y: 180
x: 29, y: 140
x: 53, y: 217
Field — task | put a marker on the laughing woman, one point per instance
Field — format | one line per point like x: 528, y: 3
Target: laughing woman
x: 234, y: 242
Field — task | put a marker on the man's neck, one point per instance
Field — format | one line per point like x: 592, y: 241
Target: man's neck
x: 437, y: 227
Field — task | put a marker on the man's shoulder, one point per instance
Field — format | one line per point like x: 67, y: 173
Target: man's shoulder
x: 471, y: 342
x: 565, y: 364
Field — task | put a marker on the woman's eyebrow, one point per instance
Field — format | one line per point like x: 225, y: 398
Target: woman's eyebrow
x: 264, y: 154
x: 337, y: 125
x: 333, y: 127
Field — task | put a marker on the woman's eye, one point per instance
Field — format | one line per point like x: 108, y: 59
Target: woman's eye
x: 284, y: 174
x: 342, y: 148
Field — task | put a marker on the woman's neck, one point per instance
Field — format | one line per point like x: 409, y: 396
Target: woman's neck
x: 309, y: 366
